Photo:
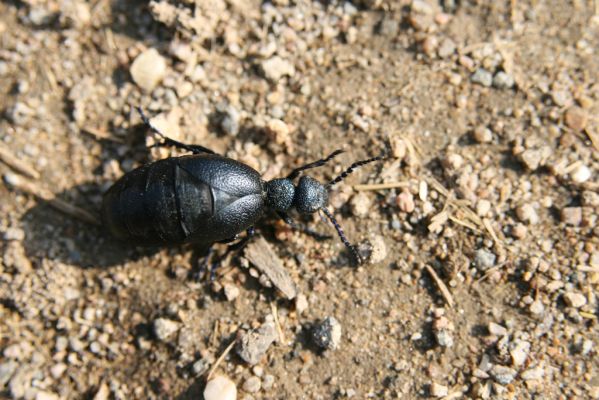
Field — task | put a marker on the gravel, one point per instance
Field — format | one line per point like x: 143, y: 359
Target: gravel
x: 253, y: 345
x: 220, y: 388
x: 326, y: 334
x: 482, y: 77
x: 148, y: 69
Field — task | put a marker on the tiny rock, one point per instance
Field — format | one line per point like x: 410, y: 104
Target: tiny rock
x: 252, y: 384
x: 301, y: 303
x: 503, y: 80
x: 279, y: 130
x: 231, y: 291
x: 576, y: 118
x: 275, y: 68
x: 496, y: 329
x: 446, y: 48
x: 254, y: 344
x: 361, y: 204
x: 327, y: 333
x: 438, y: 390
x: 148, y: 69
x: 519, y: 352
x: 220, y: 388
x: 572, y: 215
x: 164, y: 328
x: 527, y: 214
x: 533, y: 373
x: 531, y: 158
x: 503, y: 375
x: 575, y: 300
x: 482, y: 77
x: 484, y: 259
x: 229, y: 119
x: 581, y: 174
x: 405, y: 201
x: 482, y: 134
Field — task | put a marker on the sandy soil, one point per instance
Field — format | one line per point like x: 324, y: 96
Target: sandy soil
x: 482, y: 242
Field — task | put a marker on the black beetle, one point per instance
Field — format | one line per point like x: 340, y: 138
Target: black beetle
x: 205, y: 198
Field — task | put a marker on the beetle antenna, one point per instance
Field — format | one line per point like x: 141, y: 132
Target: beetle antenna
x: 351, y: 169
x: 146, y: 122
x: 342, y: 236
x: 314, y: 164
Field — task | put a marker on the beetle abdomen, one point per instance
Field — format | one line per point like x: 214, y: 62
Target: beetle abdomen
x: 196, y: 198
x: 159, y: 203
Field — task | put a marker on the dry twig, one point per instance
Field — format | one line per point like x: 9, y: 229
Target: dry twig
x: 220, y: 359
x: 441, y: 285
x: 16, y: 164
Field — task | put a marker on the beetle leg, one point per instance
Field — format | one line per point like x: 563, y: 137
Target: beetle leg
x: 168, y: 142
x: 231, y: 248
x: 302, y: 228
x: 202, y: 266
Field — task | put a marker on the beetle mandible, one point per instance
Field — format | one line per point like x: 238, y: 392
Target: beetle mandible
x: 204, y: 198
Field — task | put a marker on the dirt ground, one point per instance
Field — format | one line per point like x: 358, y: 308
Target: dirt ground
x: 479, y: 228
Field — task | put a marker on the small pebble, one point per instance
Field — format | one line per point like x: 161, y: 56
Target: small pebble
x: 503, y: 375
x: 164, y: 328
x: 200, y: 367
x: 536, y: 307
x: 576, y: 118
x: 252, y: 384
x: 575, y: 300
x: 301, y: 303
x: 275, y: 68
x: 482, y: 134
x: 327, y: 334
x: 254, y: 344
x: 267, y: 382
x: 581, y: 174
x: 483, y: 207
x: 361, y: 204
x: 446, y: 48
x: 444, y: 338
x: 14, y: 234
x: 229, y: 119
x: 533, y: 373
x: 482, y: 77
x: 519, y: 352
x: 572, y: 216
x: 231, y: 291
x: 503, y: 80
x: 484, y: 259
x: 220, y: 388
x: 519, y: 231
x: 279, y: 130
x: 148, y: 69
x: 405, y: 201
x: 496, y: 329
x: 438, y: 390
x: 531, y: 158
x: 527, y: 214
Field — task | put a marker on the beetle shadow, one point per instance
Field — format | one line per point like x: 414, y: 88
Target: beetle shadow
x: 52, y: 234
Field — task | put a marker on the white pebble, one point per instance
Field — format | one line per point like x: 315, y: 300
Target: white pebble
x: 231, y: 291
x: 527, y: 213
x: 220, y: 388
x: 575, y: 300
x: 252, y: 384
x: 148, y: 69
x: 581, y: 174
x: 165, y: 328
x: 438, y: 390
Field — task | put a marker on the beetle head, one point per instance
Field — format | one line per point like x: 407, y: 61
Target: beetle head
x: 310, y: 195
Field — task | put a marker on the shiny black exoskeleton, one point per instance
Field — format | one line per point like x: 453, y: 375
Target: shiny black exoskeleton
x: 205, y: 198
